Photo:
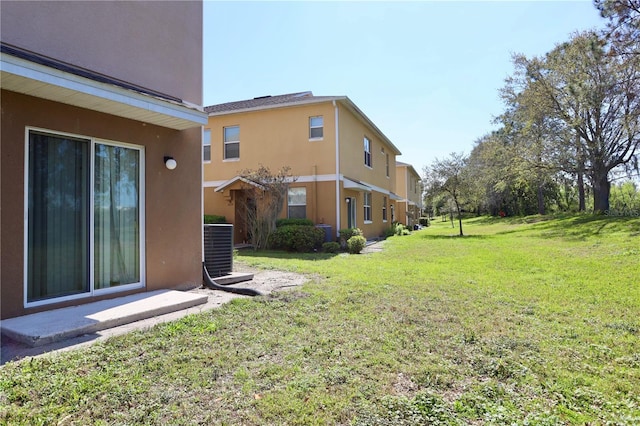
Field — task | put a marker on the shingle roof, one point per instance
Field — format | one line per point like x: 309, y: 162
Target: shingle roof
x: 263, y: 102
x: 299, y: 98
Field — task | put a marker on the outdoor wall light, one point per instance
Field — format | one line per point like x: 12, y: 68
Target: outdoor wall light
x: 170, y: 163
x: 347, y: 200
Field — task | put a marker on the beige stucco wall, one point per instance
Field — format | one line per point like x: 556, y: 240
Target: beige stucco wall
x: 154, y: 44
x: 172, y: 198
x: 274, y: 138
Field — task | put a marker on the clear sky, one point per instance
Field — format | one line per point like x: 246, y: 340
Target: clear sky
x: 426, y: 72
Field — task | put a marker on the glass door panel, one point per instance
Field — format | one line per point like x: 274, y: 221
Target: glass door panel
x: 116, y: 216
x: 58, y: 219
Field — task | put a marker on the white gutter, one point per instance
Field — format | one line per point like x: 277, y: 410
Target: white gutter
x: 335, y: 105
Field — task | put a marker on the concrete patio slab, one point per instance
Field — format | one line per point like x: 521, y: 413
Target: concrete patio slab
x: 59, y: 324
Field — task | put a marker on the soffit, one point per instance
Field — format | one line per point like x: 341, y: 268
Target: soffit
x: 29, y: 78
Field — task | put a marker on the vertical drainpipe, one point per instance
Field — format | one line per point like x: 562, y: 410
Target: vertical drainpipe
x: 335, y: 105
x: 201, y: 193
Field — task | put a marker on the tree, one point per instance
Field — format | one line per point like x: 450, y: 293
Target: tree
x: 264, y: 194
x: 595, y: 93
x: 623, y: 29
x: 449, y: 176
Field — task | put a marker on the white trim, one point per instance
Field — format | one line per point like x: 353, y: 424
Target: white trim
x: 92, y: 291
x: 338, y: 176
x: 19, y: 74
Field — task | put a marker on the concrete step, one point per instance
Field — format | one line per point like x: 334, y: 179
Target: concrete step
x: 59, y: 324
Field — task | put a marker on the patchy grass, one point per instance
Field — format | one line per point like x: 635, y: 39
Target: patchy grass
x: 524, y: 321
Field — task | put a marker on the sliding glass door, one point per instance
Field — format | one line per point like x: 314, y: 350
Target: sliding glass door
x: 84, y: 211
x: 57, y: 261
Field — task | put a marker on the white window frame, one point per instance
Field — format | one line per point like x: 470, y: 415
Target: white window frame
x: 230, y: 142
x: 289, y: 204
x: 206, y: 143
x: 387, y: 163
x: 91, y: 240
x: 312, y: 127
x: 384, y: 208
x: 367, y: 152
x: 367, y: 202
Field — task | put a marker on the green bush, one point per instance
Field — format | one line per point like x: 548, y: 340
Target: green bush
x: 331, y: 247
x: 356, y: 243
x: 289, y: 222
x: 399, y: 229
x: 347, y: 233
x: 213, y: 218
x: 299, y: 238
x: 389, y: 232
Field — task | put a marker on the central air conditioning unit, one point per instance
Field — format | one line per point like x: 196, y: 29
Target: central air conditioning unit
x: 218, y: 249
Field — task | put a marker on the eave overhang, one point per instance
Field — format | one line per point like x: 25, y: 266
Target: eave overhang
x: 41, y: 81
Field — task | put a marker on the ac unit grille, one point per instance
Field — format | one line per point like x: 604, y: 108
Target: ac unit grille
x: 218, y: 249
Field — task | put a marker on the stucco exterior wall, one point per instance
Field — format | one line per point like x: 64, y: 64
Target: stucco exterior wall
x: 172, y: 198
x: 148, y: 43
x: 274, y: 138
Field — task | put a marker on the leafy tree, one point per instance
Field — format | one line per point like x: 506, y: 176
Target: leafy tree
x: 264, y: 194
x: 449, y: 176
x: 595, y: 93
x: 623, y: 29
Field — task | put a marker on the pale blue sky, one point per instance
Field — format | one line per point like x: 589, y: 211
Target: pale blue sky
x: 427, y: 73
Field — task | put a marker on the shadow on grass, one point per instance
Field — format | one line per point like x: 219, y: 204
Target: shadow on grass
x: 454, y: 236
x: 581, y: 227
x: 278, y: 254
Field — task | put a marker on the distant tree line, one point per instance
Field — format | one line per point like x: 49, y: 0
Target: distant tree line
x: 569, y: 137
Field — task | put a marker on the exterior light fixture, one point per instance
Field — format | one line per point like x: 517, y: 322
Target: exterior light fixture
x: 170, y: 163
x: 347, y: 200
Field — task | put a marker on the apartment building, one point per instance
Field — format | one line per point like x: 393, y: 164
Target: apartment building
x: 344, y: 166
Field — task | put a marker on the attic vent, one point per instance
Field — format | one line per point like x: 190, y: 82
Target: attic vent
x: 263, y: 97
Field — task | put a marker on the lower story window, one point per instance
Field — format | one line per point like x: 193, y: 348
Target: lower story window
x: 84, y: 208
x: 367, y: 206
x: 384, y: 209
x: 297, y: 203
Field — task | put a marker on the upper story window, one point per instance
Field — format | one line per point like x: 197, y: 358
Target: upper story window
x: 387, y: 163
x: 367, y: 152
x: 367, y: 207
x: 316, y: 126
x: 206, y: 145
x: 232, y: 142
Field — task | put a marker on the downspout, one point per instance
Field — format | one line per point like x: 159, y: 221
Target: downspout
x: 335, y: 105
x: 202, y: 194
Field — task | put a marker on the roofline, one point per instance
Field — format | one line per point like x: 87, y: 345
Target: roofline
x: 409, y: 166
x: 317, y: 100
x: 19, y: 75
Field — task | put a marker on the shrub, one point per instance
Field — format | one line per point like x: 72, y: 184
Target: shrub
x: 356, y: 243
x: 300, y: 238
x: 347, y: 233
x: 331, y: 247
x: 213, y: 218
x: 288, y: 222
x: 399, y: 229
x: 389, y: 232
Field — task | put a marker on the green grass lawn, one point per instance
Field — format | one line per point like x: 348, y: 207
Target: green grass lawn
x: 531, y: 321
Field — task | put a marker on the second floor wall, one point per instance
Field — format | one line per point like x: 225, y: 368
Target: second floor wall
x: 144, y: 43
